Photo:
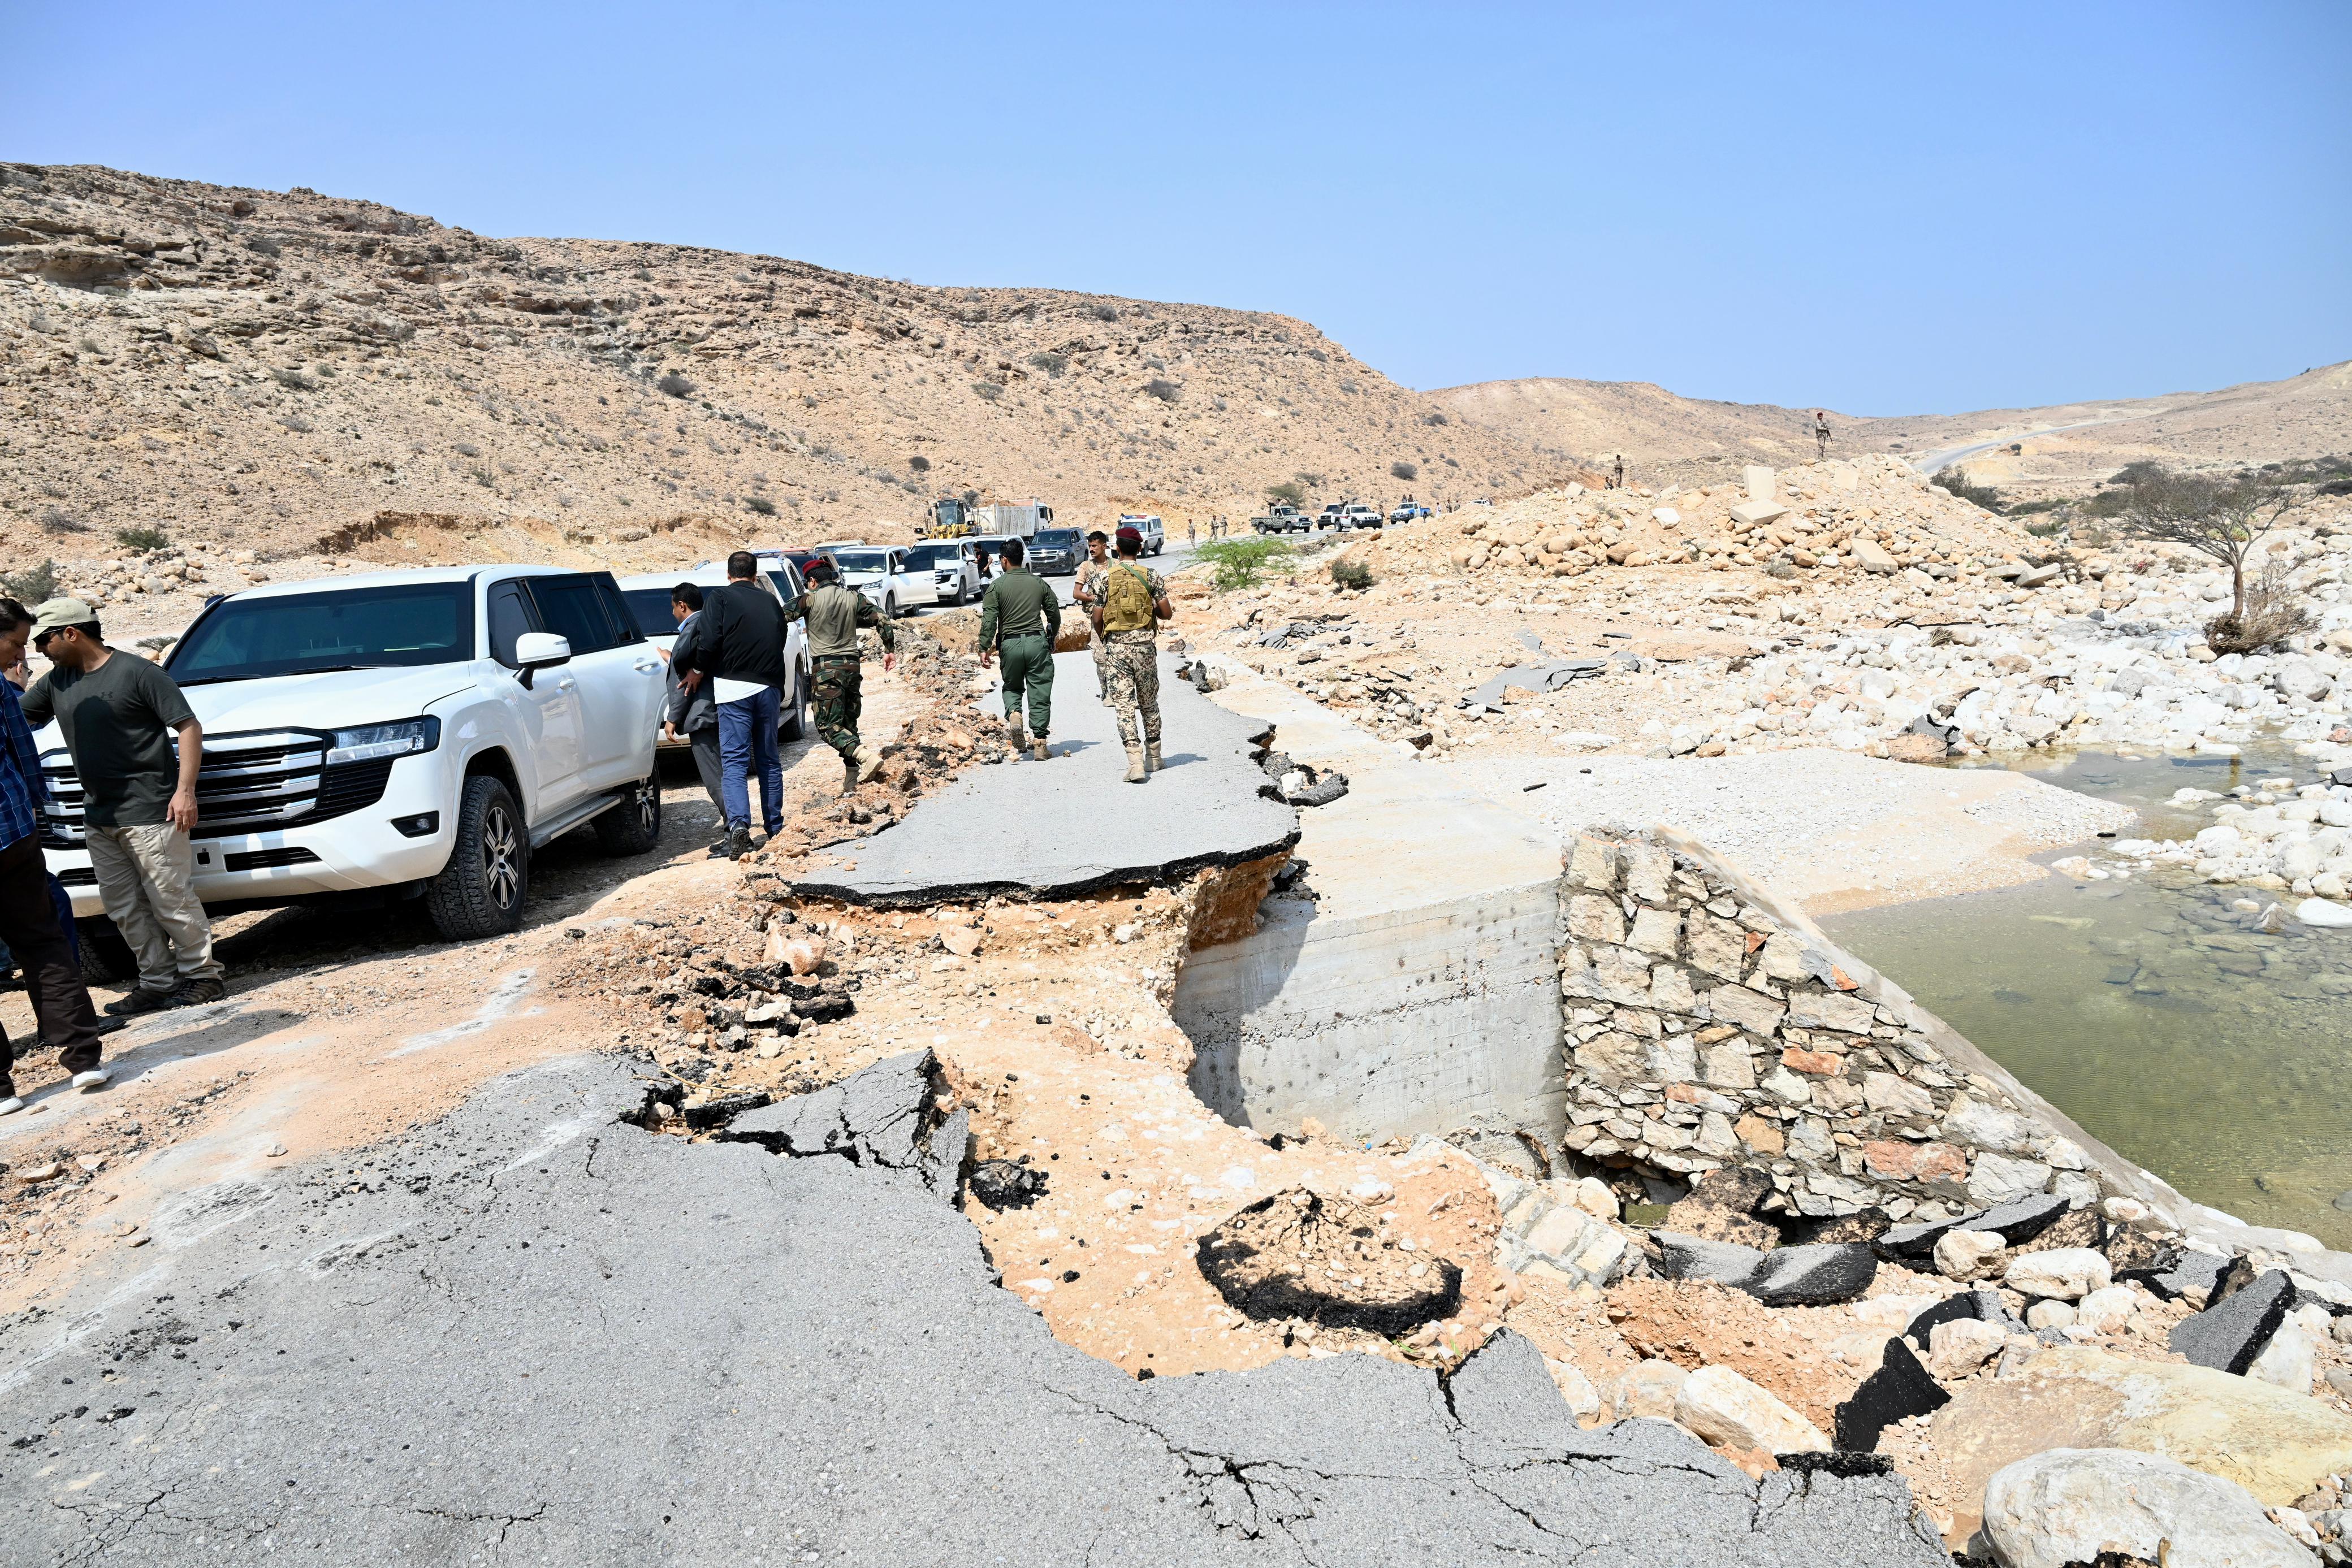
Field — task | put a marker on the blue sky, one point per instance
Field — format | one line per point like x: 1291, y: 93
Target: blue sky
x: 1885, y: 208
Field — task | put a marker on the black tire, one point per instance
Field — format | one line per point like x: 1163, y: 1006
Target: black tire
x: 795, y: 721
x: 889, y: 607
x: 633, y: 826
x: 106, y: 958
x: 481, y: 891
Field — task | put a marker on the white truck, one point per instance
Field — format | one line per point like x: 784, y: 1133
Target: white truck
x: 401, y: 733
x: 1011, y: 519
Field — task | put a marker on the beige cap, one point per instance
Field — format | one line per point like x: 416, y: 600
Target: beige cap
x: 53, y: 614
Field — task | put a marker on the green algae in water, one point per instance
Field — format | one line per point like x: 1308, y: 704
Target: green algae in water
x: 2150, y: 1011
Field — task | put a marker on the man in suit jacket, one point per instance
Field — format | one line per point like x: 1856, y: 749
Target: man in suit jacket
x: 690, y: 714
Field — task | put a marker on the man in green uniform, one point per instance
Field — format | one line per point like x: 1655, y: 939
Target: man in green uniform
x: 1019, y: 618
x: 1134, y: 603
x: 1088, y: 591
x: 834, y: 614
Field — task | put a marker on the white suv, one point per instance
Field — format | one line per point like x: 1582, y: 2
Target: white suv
x: 411, y: 733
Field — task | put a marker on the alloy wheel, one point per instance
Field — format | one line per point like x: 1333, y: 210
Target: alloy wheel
x: 501, y: 858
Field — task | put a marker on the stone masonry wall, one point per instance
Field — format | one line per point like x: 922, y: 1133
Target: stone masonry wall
x: 1708, y: 1026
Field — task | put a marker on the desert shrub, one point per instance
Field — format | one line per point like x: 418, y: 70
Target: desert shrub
x: 1403, y: 470
x: 2272, y: 612
x: 466, y: 449
x: 1103, y: 312
x: 262, y: 244
x: 1346, y: 572
x: 1242, y: 563
x: 2048, y: 528
x: 1348, y: 385
x: 761, y: 504
x: 920, y: 464
x: 33, y: 584
x: 1435, y: 419
x: 296, y: 380
x: 675, y: 385
x: 296, y: 423
x: 988, y: 391
x: 1289, y: 490
x: 142, y: 537
x: 1165, y: 390
x: 58, y: 520
x: 1954, y: 480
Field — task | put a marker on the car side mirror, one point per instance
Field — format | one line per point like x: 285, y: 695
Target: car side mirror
x: 539, y: 650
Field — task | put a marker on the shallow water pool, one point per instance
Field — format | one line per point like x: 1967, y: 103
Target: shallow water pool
x: 2150, y: 1010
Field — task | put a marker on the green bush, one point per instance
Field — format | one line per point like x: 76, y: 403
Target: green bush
x: 1404, y: 470
x: 32, y: 585
x: 1954, y: 480
x: 1349, y: 572
x: 761, y: 504
x: 1242, y: 563
x: 1049, y: 362
x: 675, y: 385
x: 1289, y: 490
x: 142, y: 537
x: 989, y: 392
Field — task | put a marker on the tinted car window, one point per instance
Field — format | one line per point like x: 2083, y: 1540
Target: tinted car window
x: 573, y: 611
x: 786, y: 582
x: 616, y: 611
x: 339, y: 629
x: 510, y: 616
x: 650, y: 607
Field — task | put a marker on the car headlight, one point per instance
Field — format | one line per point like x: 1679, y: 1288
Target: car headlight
x: 369, y: 742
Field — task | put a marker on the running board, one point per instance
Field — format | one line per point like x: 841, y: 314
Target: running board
x: 595, y: 806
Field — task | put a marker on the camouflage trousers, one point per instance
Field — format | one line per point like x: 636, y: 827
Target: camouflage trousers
x: 1131, y: 669
x: 838, y: 685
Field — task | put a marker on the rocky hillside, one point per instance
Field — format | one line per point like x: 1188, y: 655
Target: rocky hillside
x: 294, y: 373
x: 1665, y: 436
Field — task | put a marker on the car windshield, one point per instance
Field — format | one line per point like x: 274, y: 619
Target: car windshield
x: 862, y: 560
x: 650, y: 607
x: 400, y: 623
x: 1058, y: 539
x: 923, y: 558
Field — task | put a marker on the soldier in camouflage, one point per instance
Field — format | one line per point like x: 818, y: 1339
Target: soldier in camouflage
x: 1134, y: 602
x: 836, y: 675
x: 1088, y: 591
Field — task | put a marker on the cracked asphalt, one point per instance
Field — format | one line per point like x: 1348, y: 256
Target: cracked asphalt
x: 558, y: 1338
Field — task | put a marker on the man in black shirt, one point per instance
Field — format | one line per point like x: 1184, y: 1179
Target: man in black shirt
x: 738, y: 648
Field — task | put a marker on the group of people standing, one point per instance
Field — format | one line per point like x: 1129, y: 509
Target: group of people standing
x: 137, y: 748
x: 1124, y: 601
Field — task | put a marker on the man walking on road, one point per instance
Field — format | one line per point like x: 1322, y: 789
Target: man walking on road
x: 29, y: 921
x: 689, y: 712
x: 738, y: 648
x: 1088, y: 591
x: 835, y: 613
x: 1019, y: 618
x: 1134, y: 602
x: 139, y: 801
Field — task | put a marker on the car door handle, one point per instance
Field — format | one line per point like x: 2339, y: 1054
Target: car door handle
x: 567, y: 685
x: 648, y: 665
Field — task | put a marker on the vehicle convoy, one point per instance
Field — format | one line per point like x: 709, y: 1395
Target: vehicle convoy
x: 880, y: 572
x: 405, y: 735
x: 1011, y: 519
x: 1148, y: 523
x: 948, y: 568
x: 1283, y: 519
x: 647, y: 597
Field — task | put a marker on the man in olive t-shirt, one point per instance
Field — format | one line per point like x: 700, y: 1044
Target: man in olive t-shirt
x: 139, y: 801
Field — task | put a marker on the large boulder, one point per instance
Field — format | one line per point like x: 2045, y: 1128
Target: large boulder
x: 2275, y: 1444
x: 2072, y: 1506
x: 1729, y: 1411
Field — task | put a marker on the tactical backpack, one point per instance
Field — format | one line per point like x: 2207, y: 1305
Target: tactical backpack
x: 1127, y: 599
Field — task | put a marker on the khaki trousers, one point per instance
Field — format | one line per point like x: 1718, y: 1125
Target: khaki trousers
x: 146, y: 877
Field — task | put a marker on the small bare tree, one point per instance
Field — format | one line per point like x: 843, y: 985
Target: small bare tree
x: 2220, y: 518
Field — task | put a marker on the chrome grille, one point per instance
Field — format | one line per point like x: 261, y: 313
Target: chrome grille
x: 248, y: 784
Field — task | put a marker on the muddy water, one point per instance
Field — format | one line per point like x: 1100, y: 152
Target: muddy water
x: 2164, y: 1021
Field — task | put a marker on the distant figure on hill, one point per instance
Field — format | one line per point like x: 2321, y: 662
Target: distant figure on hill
x: 1619, y: 482
x: 1820, y: 433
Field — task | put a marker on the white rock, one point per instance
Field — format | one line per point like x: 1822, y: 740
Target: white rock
x: 1649, y: 1389
x: 1593, y: 1196
x: 2290, y: 1360
x: 2049, y: 1316
x: 1575, y: 1387
x: 2108, y: 1310
x: 1726, y: 1409
x: 1960, y: 1253
x: 2065, y: 1273
x: 1958, y: 1348
x: 2320, y: 912
x: 2068, y: 1505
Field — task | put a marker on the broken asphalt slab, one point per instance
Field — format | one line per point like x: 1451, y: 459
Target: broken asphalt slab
x: 1071, y: 825
x: 555, y: 1337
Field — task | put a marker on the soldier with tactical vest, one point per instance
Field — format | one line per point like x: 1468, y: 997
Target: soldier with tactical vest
x: 1134, y: 602
x: 837, y: 676
x: 1019, y: 618
x: 1089, y: 593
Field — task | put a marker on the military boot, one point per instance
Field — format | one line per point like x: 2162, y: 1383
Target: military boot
x: 1015, y: 735
x: 1040, y: 750
x: 848, y: 775
x: 869, y: 763
x: 1136, y: 772
x: 1151, y: 754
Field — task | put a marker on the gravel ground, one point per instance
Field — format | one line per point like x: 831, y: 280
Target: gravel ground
x: 1831, y: 829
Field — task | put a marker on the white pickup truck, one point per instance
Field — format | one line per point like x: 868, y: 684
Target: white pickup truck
x: 410, y: 734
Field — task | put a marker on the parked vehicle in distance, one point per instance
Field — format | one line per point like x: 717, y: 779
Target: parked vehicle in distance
x: 1283, y: 519
x: 1407, y: 509
x: 1148, y: 523
x: 1360, y: 516
x: 647, y: 597
x: 401, y: 733
x: 1056, y: 552
x: 950, y: 518
x: 950, y: 568
x: 1328, y: 518
x: 1011, y: 519
x: 880, y: 573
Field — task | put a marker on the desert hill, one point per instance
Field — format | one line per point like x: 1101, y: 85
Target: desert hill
x: 293, y: 373
x: 1666, y: 436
